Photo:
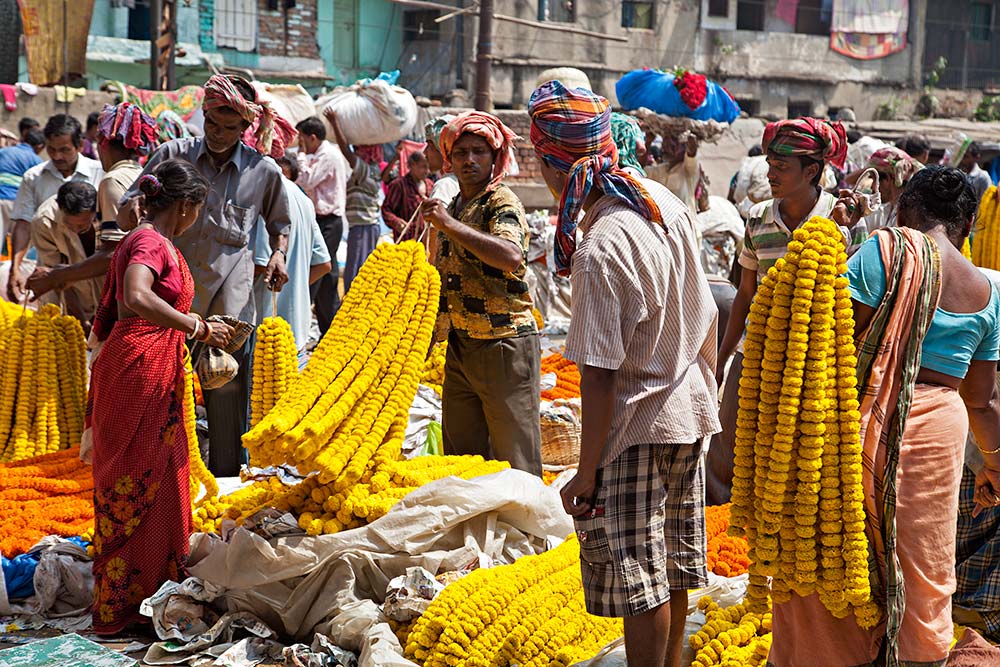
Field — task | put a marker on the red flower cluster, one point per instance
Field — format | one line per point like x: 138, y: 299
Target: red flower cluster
x: 692, y: 87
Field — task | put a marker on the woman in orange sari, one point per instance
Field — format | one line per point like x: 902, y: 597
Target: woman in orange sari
x: 928, y: 329
x: 142, y: 504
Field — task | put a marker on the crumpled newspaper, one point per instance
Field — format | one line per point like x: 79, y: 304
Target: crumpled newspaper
x: 210, y: 646
x: 179, y: 611
x: 322, y: 653
x: 408, y: 596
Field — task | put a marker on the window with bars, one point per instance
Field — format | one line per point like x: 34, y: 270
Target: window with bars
x: 981, y: 23
x: 636, y: 14
x: 750, y: 15
x: 236, y: 24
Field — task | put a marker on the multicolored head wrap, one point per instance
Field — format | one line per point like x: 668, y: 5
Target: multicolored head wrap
x: 571, y: 131
x: 895, y: 163
x: 807, y: 137
x: 171, y: 126
x: 627, y: 134
x: 220, y: 92
x: 284, y: 134
x: 130, y: 125
x: 500, y: 138
x: 432, y: 130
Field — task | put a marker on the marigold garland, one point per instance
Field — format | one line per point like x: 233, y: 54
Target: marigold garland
x: 275, y: 365
x: 567, y: 377
x: 336, y: 416
x: 43, y: 395
x: 727, y: 555
x: 986, y: 237
x: 50, y: 494
x: 797, y: 494
x: 432, y: 374
x: 528, y: 613
x: 201, y: 477
x: 731, y: 637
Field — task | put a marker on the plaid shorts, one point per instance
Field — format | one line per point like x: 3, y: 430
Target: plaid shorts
x: 645, y: 533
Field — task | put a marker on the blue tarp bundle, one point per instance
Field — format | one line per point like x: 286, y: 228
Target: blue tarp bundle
x: 19, y: 571
x: 655, y: 90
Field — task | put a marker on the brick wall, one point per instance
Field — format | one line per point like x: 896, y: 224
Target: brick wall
x: 300, y: 39
x: 526, y: 158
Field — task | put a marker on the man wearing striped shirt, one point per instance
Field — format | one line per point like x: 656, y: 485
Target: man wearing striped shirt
x: 644, y: 336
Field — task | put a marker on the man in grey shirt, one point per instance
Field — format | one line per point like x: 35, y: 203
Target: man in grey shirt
x: 219, y: 247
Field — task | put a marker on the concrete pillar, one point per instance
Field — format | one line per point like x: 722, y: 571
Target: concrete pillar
x: 918, y: 40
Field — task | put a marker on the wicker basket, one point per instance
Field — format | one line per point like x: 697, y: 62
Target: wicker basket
x: 560, y: 442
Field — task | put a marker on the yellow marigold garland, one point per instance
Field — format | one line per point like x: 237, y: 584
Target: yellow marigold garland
x: 986, y: 240
x: 432, y: 374
x: 275, y: 365
x: 201, y: 477
x: 336, y: 416
x: 731, y: 637
x: 797, y: 493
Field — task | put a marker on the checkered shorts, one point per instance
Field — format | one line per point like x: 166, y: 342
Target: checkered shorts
x: 645, y: 533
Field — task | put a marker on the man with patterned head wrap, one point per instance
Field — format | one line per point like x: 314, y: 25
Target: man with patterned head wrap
x: 492, y: 372
x: 643, y: 335
x: 797, y: 152
x: 219, y: 247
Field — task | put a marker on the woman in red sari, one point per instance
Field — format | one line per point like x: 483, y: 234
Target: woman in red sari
x: 142, y: 503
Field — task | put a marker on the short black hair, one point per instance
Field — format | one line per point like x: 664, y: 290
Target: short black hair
x: 415, y: 158
x: 93, y: 119
x: 806, y: 161
x: 974, y: 150
x: 77, y: 197
x: 314, y: 126
x: 939, y: 195
x: 62, y: 125
x: 26, y: 124
x: 34, y: 138
x: 853, y: 136
x: 914, y: 144
x: 755, y: 150
x: 293, y: 167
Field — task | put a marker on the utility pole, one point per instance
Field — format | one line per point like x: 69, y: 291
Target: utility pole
x: 484, y: 57
x: 162, y: 44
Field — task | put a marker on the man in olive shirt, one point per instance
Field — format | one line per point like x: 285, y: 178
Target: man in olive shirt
x: 219, y: 247
x: 491, y: 388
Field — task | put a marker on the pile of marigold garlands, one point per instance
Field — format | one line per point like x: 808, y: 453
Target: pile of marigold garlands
x: 432, y: 374
x: 530, y: 613
x: 43, y: 395
x: 275, y: 366
x: 321, y: 509
x: 797, y: 493
x: 727, y: 555
x: 986, y: 241
x: 731, y: 637
x: 567, y: 377
x: 52, y: 494
x: 346, y: 412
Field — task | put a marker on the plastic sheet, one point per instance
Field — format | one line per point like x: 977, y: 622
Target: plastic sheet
x: 655, y: 90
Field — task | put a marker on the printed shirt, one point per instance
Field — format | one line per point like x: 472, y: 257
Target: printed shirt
x: 219, y: 246
x: 481, y: 301
x: 323, y: 175
x: 642, y: 307
x: 363, y: 190
x: 767, y: 236
x: 115, y: 183
x: 57, y: 244
x: 306, y: 249
x: 14, y: 161
x: 44, y: 180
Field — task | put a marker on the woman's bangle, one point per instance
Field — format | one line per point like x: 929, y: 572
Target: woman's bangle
x: 988, y: 453
x: 197, y: 328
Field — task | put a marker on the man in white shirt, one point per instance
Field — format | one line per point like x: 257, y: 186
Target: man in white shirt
x: 63, y: 139
x: 323, y: 172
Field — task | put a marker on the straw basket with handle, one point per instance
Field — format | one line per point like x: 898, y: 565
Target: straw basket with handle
x: 560, y: 423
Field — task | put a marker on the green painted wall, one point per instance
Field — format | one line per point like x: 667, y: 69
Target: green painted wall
x: 358, y: 38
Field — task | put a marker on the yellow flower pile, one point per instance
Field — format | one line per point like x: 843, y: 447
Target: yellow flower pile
x: 529, y: 613
x: 967, y: 249
x: 44, y: 390
x: 275, y: 365
x: 11, y: 312
x: 201, y: 477
x: 336, y: 416
x: 433, y: 371
x: 986, y: 243
x: 797, y: 493
x: 731, y: 637
x: 322, y: 510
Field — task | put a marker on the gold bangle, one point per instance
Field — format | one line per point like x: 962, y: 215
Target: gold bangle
x: 987, y: 453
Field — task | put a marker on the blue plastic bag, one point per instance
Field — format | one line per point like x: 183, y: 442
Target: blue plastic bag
x: 19, y: 575
x: 655, y: 90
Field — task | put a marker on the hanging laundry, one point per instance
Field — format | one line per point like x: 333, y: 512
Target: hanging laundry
x: 9, y: 93
x: 869, y: 29
x: 787, y: 11
x: 66, y: 94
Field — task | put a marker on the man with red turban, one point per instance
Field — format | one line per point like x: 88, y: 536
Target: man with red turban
x: 219, y: 247
x: 492, y: 372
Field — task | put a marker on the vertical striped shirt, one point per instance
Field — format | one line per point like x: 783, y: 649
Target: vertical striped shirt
x: 642, y: 307
x: 362, y: 205
x: 767, y: 236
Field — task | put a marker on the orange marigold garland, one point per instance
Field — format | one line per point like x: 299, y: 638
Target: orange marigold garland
x: 727, y: 555
x: 567, y: 377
